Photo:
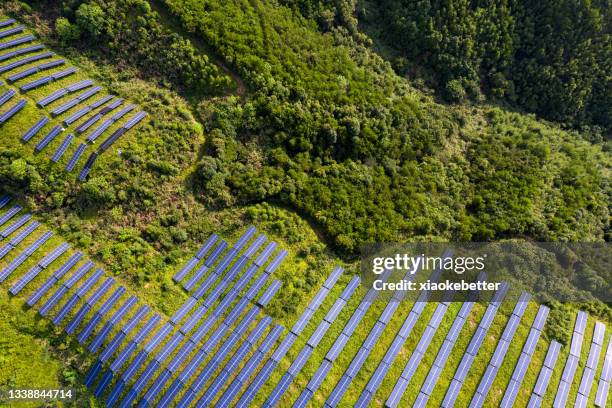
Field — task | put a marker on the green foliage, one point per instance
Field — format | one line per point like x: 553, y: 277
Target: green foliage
x: 130, y: 32
x: 548, y: 57
x: 66, y: 31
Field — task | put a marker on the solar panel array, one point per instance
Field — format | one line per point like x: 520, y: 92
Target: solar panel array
x: 552, y: 355
x: 604, y: 379
x: 313, y: 341
x: 573, y: 359
x: 588, y: 375
x: 527, y: 352
x: 475, y: 343
x: 34, y: 56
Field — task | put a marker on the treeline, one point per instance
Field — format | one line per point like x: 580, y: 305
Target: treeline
x: 549, y: 57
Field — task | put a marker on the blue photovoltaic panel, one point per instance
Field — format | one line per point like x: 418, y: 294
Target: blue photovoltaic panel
x: 265, y: 254
x: 112, y: 346
x: 333, y: 277
x: 13, y: 110
x: 7, y: 22
x: 77, y: 86
x: 53, y: 255
x: 31, y: 71
x: 62, y: 148
x: 25, y: 61
x: 78, y: 317
x: 40, y: 241
x: 75, y: 277
x: 48, y: 138
x: 64, y: 73
x: 4, y: 200
x: 10, y: 214
x: 75, y: 101
x: 85, y: 287
x: 71, y: 303
x: 123, y: 310
x: 18, y: 41
x: 11, y: 31
x: 188, y: 267
x: 59, y: 293
x: 146, y: 329
x: 123, y: 356
x: 275, y: 263
x: 212, y: 258
x: 206, y: 246
x: 24, y: 233
x: 52, y: 97
x: 97, y: 131
x: 75, y: 157
x: 21, y: 51
x: 134, y: 120
x: 20, y: 222
x: 138, y: 316
x: 7, y: 96
x: 100, y: 291
x: 159, y: 336
x: 254, y: 247
x: 85, y: 170
x: 31, y: 274
x: 27, y: 136
x: 248, y: 234
x: 183, y: 310
x: 267, y: 296
x: 180, y: 357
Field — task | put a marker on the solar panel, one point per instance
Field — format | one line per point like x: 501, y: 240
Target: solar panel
x: 183, y: 310
x: 254, y: 247
x: 21, y: 51
x: 18, y: 223
x: 602, y: 393
x: 84, y: 111
x: 85, y: 170
x: 64, y: 73
x: 62, y: 148
x: 7, y: 96
x: 159, y: 336
x: 581, y: 320
x: 21, y: 258
x: 75, y: 157
x: 388, y: 312
x: 134, y: 320
x: 599, y: 333
x: 333, y: 277
x: 373, y: 336
x: 123, y: 356
x: 75, y: 101
x: 134, y: 120
x: 13, y: 110
x: 11, y: 31
x: 18, y: 41
x: 53, y: 255
x: 246, y: 236
x: 4, y: 200
x: 270, y: 292
x: 169, y: 347
x: 71, y: 303
x: 31, y: 274
x: 7, y: 22
x: 52, y: 97
x: 10, y: 214
x: 85, y: 287
x: 24, y: 233
x: 25, y: 61
x: 206, y: 246
x: 170, y: 394
x: 45, y: 80
x: 49, y: 138
x: 31, y: 71
x: 265, y: 254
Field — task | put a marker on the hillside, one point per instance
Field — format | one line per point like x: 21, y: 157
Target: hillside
x: 259, y: 115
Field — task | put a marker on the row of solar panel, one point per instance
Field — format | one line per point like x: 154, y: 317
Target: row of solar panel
x: 304, y: 355
x: 588, y: 375
x: 262, y: 376
x: 500, y: 351
x: 13, y: 110
x: 525, y: 358
x: 473, y: 347
x: 605, y: 377
x: 571, y: 364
